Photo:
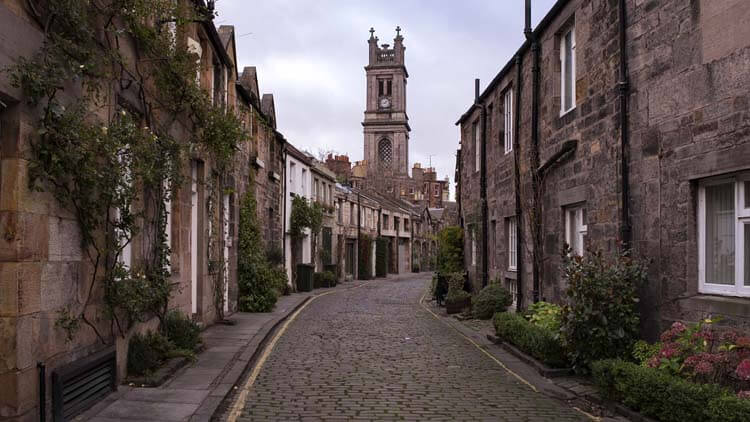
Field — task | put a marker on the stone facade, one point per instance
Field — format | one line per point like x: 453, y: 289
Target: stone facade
x: 687, y: 122
x: 385, y: 168
x: 42, y: 267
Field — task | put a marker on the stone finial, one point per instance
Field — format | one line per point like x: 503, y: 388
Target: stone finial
x: 372, y: 33
x: 398, y: 34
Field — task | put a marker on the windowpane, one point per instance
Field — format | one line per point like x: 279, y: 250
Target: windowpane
x: 747, y: 252
x: 568, y: 88
x: 720, y: 226
x: 747, y: 194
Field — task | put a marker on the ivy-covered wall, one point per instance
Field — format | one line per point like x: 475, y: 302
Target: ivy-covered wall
x: 96, y: 190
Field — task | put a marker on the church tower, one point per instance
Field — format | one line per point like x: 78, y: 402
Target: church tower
x: 386, y: 125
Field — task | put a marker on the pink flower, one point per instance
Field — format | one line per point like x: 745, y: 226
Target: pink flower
x: 678, y: 327
x: 743, y: 342
x: 730, y: 337
x: 668, y: 350
x: 691, y: 361
x: 744, y: 394
x: 743, y: 370
x: 654, y: 362
x: 704, y: 368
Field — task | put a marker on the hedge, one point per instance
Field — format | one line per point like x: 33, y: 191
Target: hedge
x: 489, y: 300
x: 657, y: 394
x: 538, y: 342
x: 381, y: 257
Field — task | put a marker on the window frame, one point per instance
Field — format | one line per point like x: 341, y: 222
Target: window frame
x: 563, y: 54
x: 741, y: 219
x: 574, y: 213
x: 508, y: 119
x: 512, y: 244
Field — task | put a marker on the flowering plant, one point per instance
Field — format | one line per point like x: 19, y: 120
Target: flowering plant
x: 699, y: 353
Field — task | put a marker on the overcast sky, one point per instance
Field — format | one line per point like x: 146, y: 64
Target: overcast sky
x: 311, y: 55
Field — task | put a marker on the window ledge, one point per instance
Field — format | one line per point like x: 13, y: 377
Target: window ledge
x: 511, y: 274
x: 724, y: 305
x: 566, y: 112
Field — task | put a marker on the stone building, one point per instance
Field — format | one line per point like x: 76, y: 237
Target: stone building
x: 263, y: 158
x: 44, y: 272
x: 340, y: 166
x: 323, y: 187
x: 617, y: 123
x: 385, y: 167
x: 297, y: 184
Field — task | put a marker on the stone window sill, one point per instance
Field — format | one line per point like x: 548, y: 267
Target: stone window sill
x: 723, y: 305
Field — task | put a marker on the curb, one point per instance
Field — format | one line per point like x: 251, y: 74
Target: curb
x: 209, y: 409
x: 221, y: 398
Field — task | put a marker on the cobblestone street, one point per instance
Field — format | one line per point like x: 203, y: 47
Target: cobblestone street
x: 373, y: 353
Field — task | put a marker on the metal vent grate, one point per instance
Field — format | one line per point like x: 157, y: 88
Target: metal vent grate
x: 76, y: 387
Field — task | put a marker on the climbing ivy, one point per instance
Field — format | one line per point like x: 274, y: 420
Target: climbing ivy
x: 260, y: 282
x: 112, y: 84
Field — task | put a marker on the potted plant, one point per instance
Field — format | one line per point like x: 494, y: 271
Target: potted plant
x: 457, y: 300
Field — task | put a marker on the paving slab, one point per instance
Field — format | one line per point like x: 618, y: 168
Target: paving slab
x: 195, y: 391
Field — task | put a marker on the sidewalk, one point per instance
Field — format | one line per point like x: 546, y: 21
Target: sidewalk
x: 195, y: 391
x: 572, y: 389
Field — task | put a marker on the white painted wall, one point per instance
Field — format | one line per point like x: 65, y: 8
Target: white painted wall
x: 298, y: 181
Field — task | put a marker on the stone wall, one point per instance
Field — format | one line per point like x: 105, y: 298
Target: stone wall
x: 42, y: 267
x: 688, y: 119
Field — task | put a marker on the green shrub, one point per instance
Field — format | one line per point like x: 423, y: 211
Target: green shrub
x: 536, y: 341
x: 147, y: 352
x: 456, y: 296
x: 381, y: 257
x: 489, y: 300
x: 450, y: 255
x: 364, y: 257
x: 729, y: 409
x: 545, y: 315
x: 643, y: 351
x: 657, y: 394
x: 324, y: 279
x: 260, y: 283
x: 601, y: 320
x: 182, y: 331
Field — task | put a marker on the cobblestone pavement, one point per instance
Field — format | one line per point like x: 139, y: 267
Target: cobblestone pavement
x: 373, y: 353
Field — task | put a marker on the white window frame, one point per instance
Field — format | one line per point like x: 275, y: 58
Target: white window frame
x: 508, y: 112
x: 574, y: 215
x: 742, y: 218
x: 512, y: 244
x: 563, y: 75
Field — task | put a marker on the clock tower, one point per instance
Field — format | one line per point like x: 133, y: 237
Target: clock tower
x: 386, y: 125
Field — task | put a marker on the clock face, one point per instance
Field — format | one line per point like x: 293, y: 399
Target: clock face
x: 385, y: 102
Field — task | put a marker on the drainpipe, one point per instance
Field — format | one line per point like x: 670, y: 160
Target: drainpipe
x: 536, y: 206
x: 284, y: 196
x: 624, y: 89
x: 42, y: 391
x: 517, y: 188
x: 483, y: 180
x: 459, y: 190
x: 359, y: 230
